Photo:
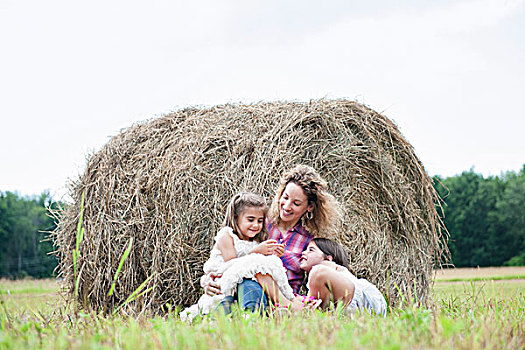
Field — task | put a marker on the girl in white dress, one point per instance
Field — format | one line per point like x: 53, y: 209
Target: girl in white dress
x: 234, y: 255
x: 330, y: 280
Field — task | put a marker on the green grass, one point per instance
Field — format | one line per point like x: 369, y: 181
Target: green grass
x: 28, y: 286
x: 495, y: 288
x: 471, y: 315
x: 491, y: 278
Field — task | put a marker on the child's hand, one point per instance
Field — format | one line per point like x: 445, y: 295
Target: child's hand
x: 311, y: 303
x: 269, y: 247
x: 297, y: 303
x: 279, y: 250
x: 301, y: 302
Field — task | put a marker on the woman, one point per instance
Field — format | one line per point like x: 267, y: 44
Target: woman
x: 302, y: 209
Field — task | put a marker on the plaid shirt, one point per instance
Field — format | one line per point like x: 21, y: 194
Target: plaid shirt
x: 294, y: 244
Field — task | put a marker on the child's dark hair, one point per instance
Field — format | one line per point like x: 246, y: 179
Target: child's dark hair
x: 238, y: 204
x: 334, y: 249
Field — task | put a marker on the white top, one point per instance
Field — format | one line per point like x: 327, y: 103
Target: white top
x: 216, y: 259
x: 246, y: 265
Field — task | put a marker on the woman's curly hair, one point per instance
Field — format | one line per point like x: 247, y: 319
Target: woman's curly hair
x: 326, y: 212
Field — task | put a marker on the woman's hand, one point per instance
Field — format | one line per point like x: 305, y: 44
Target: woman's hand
x: 269, y: 247
x: 211, y: 287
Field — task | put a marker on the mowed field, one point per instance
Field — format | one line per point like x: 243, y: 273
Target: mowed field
x: 480, y: 273
x: 470, y: 309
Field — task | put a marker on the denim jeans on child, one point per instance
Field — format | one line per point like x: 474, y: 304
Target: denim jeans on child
x: 250, y: 296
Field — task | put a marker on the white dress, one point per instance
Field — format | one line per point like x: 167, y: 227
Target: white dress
x: 366, y: 296
x: 246, y: 265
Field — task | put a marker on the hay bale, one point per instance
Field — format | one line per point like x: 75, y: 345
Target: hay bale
x: 166, y: 183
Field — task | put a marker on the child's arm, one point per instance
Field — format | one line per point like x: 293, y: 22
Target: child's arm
x: 225, y: 245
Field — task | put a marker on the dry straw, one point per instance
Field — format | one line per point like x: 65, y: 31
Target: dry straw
x: 165, y: 184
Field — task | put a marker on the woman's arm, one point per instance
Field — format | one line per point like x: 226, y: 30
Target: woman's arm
x: 210, y: 286
x: 225, y: 245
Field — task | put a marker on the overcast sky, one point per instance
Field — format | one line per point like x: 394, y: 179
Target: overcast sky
x: 451, y: 74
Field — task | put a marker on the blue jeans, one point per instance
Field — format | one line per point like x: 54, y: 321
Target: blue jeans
x: 250, y: 296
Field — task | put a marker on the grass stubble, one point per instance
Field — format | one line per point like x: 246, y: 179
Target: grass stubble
x: 467, y: 315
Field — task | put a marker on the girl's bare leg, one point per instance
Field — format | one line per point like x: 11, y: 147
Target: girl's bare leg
x: 327, y: 284
x: 271, y: 289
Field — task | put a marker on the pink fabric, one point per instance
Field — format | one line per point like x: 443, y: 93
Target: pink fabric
x: 296, y: 241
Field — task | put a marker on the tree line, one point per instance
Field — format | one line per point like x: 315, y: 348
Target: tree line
x: 485, y: 217
x: 24, y: 237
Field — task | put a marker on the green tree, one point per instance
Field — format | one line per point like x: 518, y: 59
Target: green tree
x: 510, y: 214
x: 23, y: 225
x: 4, y: 234
x: 469, y: 198
x: 485, y: 217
